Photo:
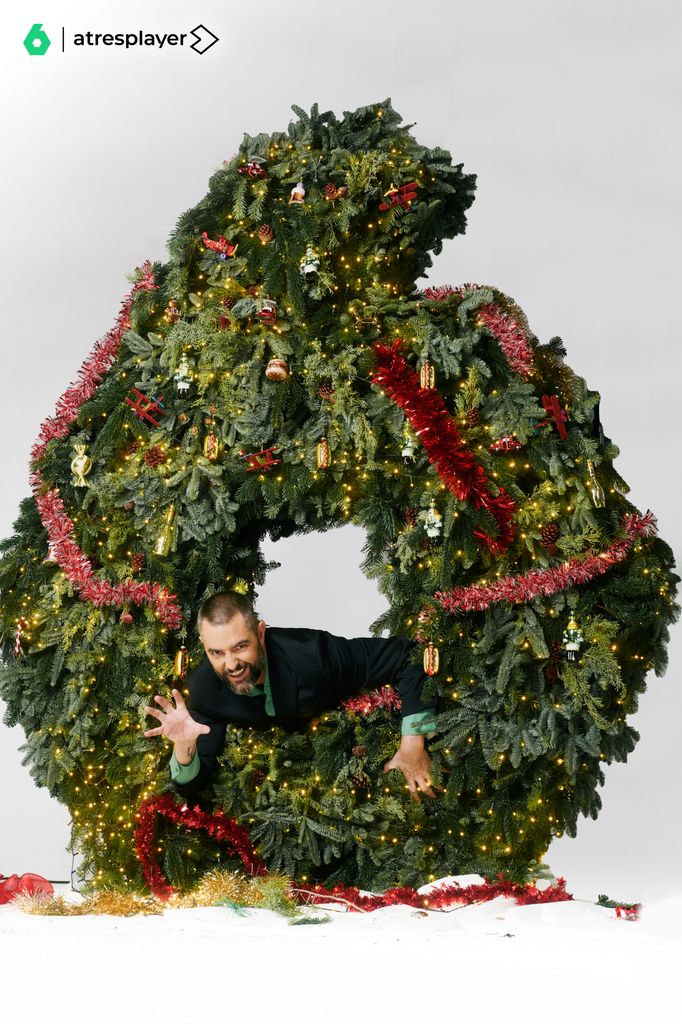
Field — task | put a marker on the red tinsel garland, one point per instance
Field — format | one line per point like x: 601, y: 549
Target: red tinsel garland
x: 225, y: 830
x: 441, y: 896
x: 510, y: 336
x: 508, y: 332
x: 386, y: 698
x: 439, y: 435
x: 63, y: 547
x: 545, y: 582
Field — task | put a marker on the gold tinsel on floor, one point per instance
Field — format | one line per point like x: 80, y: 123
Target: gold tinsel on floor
x: 216, y: 888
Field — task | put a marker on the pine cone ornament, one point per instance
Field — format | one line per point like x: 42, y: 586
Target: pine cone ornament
x: 359, y: 751
x: 473, y: 418
x: 137, y: 561
x: 549, y: 534
x: 129, y: 506
x: 133, y: 447
x: 326, y: 391
x: 154, y: 456
x: 411, y: 516
x: 265, y: 233
x: 227, y: 301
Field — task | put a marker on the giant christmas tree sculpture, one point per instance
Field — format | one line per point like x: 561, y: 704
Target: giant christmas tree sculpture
x: 281, y: 373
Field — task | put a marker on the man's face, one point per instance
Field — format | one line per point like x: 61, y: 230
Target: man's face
x: 236, y: 652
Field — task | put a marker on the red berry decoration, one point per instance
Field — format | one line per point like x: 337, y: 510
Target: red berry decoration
x: 154, y: 456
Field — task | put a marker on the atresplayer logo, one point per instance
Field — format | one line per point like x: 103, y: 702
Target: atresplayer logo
x: 37, y: 42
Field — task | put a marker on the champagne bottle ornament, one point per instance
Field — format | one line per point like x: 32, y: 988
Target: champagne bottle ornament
x: 595, y: 488
x: 165, y: 538
x: 81, y: 464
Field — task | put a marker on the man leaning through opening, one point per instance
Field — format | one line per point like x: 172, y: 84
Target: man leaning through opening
x: 258, y: 675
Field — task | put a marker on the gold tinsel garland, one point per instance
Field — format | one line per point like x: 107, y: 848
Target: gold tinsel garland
x: 216, y: 888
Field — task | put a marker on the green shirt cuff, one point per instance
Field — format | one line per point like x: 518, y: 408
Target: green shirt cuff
x: 420, y: 724
x: 182, y: 773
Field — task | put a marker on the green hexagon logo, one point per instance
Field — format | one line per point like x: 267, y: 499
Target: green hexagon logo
x: 37, y: 42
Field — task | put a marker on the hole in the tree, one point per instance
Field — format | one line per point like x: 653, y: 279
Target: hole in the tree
x: 319, y: 584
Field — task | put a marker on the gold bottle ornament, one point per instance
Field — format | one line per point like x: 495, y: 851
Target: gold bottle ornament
x: 181, y: 662
x: 596, y: 489
x: 81, y: 464
x: 165, y: 538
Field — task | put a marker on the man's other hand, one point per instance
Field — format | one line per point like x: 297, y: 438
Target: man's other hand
x: 415, y: 764
x: 177, y: 724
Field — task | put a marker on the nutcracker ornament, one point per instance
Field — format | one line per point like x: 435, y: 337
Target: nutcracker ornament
x: 409, y: 446
x: 183, y: 376
x: 81, y: 464
x: 310, y: 263
x: 297, y: 195
x: 433, y: 523
x: 572, y: 639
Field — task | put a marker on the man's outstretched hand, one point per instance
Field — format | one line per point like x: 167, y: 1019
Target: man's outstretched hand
x: 415, y: 764
x: 177, y: 725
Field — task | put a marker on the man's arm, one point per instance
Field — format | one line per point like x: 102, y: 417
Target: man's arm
x: 374, y: 661
x: 196, y: 739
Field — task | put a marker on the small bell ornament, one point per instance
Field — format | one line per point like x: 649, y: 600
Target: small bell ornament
x: 572, y: 639
x: 81, y: 464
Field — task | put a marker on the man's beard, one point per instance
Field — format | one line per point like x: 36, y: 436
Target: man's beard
x: 254, y: 672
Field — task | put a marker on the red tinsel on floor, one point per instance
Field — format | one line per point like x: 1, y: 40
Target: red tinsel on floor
x: 440, y: 896
x: 439, y: 435
x: 224, y: 830
x: 544, y: 582
x: 64, y: 548
x: 227, y: 830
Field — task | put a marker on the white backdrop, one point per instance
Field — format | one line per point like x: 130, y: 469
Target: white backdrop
x: 568, y: 114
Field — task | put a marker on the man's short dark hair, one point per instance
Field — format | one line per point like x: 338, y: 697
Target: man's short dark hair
x: 223, y: 606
